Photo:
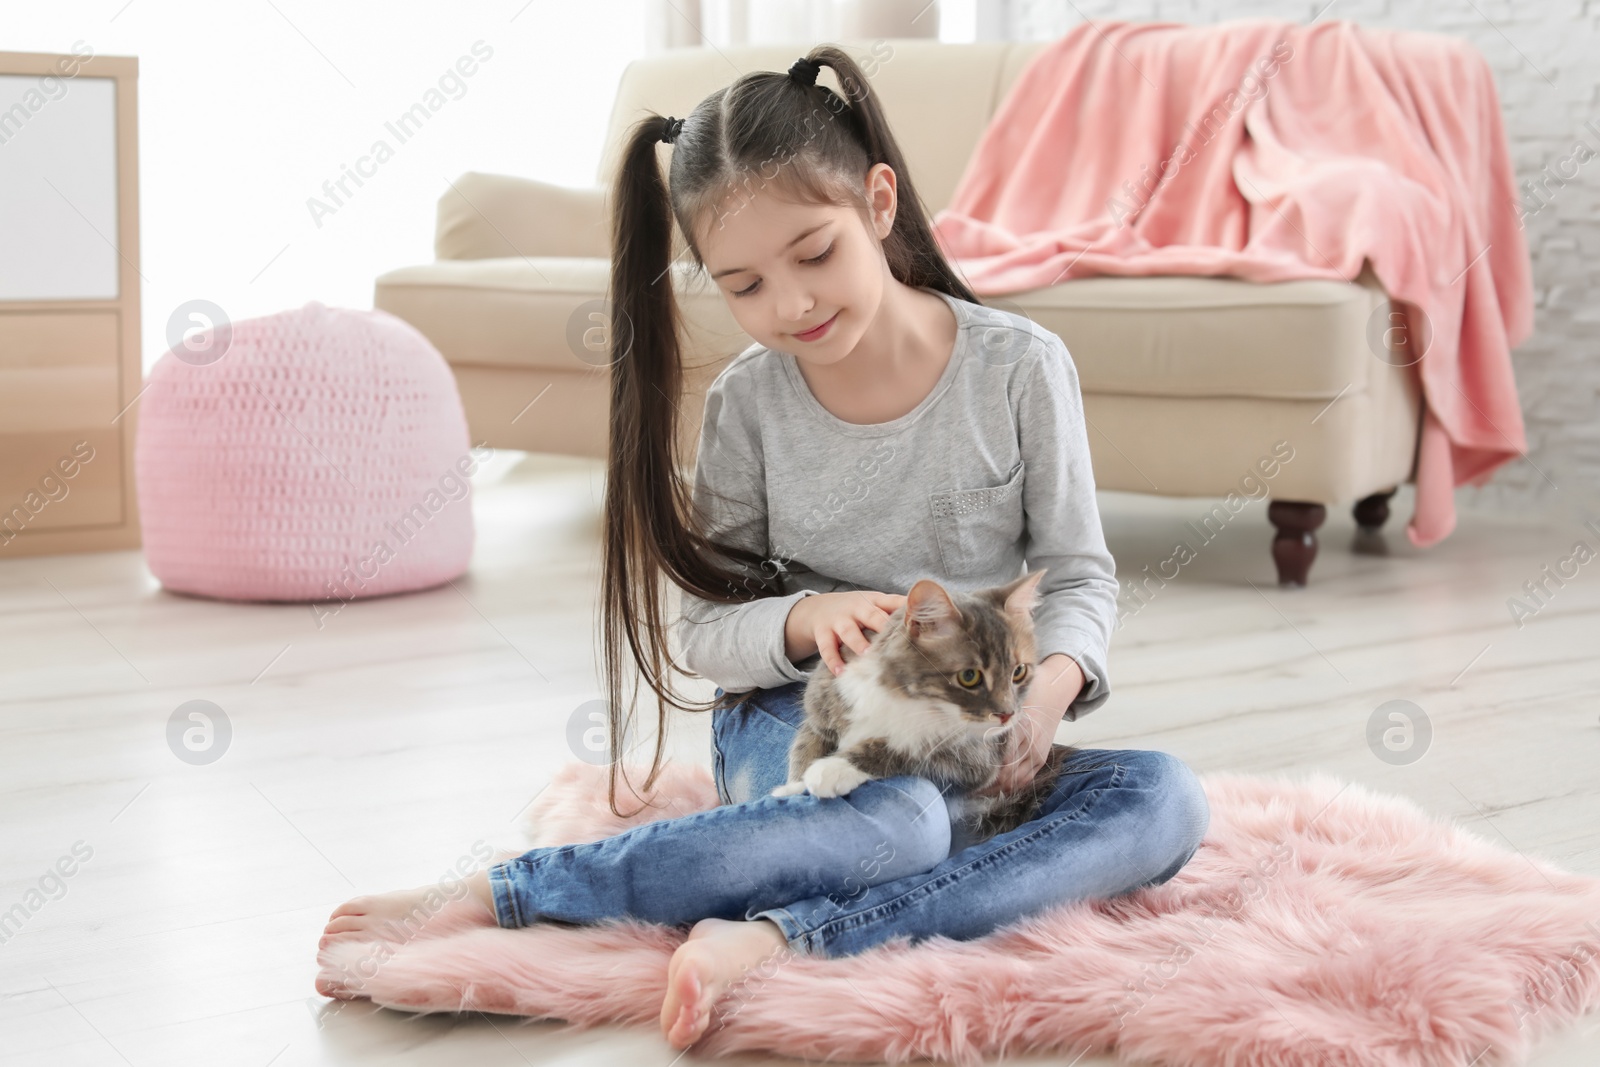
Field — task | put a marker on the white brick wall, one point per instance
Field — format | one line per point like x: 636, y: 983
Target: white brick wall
x: 1548, y: 75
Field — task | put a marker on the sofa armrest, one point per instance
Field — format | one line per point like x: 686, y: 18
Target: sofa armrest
x: 489, y: 216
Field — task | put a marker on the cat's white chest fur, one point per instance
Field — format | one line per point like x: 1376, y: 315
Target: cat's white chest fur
x: 916, y: 726
x: 912, y: 726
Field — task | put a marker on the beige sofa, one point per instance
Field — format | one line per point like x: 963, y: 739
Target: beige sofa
x: 1188, y: 382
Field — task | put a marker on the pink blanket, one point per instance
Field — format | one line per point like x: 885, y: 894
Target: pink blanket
x: 1288, y: 151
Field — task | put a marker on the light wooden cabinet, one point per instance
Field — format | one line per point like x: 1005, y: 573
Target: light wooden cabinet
x: 70, y: 367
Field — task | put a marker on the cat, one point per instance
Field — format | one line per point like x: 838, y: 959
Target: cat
x: 935, y: 695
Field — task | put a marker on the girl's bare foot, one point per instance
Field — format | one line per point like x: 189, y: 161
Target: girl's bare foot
x: 716, y: 954
x: 399, y: 917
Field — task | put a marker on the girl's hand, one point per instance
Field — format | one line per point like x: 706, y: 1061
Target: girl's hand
x: 1027, y: 747
x: 831, y: 621
x: 1056, y: 684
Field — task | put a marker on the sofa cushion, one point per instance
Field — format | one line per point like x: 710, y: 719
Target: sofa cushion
x: 1176, y: 335
x: 486, y: 216
x: 1196, y: 336
x: 490, y: 312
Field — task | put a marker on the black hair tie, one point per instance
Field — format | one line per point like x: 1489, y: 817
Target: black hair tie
x: 805, y: 71
x: 670, y: 128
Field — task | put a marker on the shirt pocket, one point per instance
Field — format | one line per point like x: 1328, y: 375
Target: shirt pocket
x: 978, y: 528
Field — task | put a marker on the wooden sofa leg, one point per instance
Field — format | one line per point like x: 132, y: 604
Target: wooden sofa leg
x: 1370, y: 514
x: 1295, y: 546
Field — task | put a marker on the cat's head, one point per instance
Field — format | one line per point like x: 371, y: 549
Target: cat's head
x: 974, y: 651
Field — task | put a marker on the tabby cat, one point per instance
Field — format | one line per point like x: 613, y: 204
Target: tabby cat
x: 935, y: 695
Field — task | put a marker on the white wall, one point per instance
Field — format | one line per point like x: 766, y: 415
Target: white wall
x: 246, y: 109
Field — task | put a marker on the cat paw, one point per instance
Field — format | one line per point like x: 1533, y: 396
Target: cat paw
x: 833, y: 776
x: 789, y: 789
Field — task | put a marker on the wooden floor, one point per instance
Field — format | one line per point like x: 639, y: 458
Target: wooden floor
x: 370, y: 752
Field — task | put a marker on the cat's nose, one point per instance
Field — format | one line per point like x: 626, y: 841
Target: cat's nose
x: 1003, y: 716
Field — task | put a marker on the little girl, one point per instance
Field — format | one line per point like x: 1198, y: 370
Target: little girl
x: 884, y: 427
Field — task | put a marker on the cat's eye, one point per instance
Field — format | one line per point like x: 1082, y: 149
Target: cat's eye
x: 969, y: 678
x: 1019, y: 674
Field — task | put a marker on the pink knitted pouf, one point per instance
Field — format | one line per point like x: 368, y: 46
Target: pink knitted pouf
x: 323, y: 454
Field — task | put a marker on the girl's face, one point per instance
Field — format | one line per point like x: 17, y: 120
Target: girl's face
x: 787, y: 268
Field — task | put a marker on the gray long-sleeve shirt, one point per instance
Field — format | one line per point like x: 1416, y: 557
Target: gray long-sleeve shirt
x: 989, y: 472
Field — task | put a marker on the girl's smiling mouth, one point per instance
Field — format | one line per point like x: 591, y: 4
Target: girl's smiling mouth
x: 817, y: 331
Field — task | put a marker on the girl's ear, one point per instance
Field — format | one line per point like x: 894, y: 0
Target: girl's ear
x: 882, y: 194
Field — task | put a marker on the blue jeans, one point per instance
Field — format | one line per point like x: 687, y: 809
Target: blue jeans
x: 841, y: 874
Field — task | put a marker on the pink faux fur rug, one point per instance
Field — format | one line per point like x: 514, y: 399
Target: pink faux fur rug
x: 1320, y: 924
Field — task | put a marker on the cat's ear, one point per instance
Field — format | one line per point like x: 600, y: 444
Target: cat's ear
x: 1022, y: 595
x: 929, y: 610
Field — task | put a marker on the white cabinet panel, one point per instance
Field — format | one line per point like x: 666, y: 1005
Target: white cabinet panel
x: 58, y: 188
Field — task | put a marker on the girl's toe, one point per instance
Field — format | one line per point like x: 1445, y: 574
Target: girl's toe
x: 345, y: 923
x: 356, y: 906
